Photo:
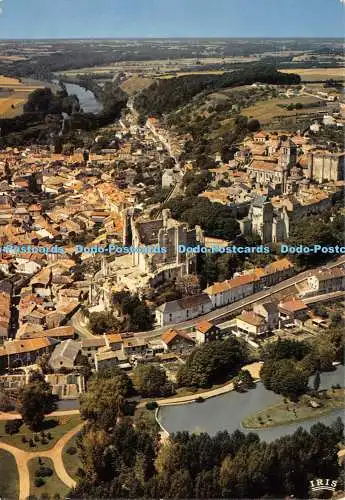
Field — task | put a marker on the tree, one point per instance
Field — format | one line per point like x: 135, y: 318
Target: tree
x: 317, y: 380
x: 336, y: 318
x: 151, y: 381
x: 285, y: 349
x: 35, y: 401
x: 119, y: 378
x: 103, y: 403
x: 253, y: 125
x: 102, y: 322
x: 5, y: 402
x: 283, y: 377
x: 212, y: 362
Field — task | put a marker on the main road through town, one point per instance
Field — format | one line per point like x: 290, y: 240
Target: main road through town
x: 225, y: 313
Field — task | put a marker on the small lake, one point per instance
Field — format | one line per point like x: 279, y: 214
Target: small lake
x: 226, y: 412
x: 87, y: 99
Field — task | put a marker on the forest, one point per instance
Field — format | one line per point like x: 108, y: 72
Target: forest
x: 163, y: 96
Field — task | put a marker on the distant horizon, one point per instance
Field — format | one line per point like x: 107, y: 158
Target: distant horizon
x: 339, y: 38
x: 138, y: 19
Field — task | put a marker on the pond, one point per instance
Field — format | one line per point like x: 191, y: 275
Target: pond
x: 226, y: 412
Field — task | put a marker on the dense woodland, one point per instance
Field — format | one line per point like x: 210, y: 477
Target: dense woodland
x: 164, y: 96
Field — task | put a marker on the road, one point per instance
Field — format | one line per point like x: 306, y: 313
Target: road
x: 324, y: 297
x: 58, y: 413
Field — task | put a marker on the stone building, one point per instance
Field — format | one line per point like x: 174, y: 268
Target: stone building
x: 324, y: 166
x: 275, y: 167
x: 265, y: 221
x: 145, y: 265
x: 164, y: 233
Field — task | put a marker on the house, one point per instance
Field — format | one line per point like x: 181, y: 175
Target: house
x: 134, y: 346
x: 90, y: 346
x: 5, y: 314
x: 206, y: 332
x: 251, y: 324
x: 113, y: 341
x: 105, y: 358
x: 292, y: 311
x: 41, y: 283
x: 327, y: 281
x: 59, y: 333
x: 260, y: 138
x: 268, y: 311
x: 174, y: 340
x: 278, y: 271
x: 16, y: 353
x: 183, y: 309
x: 230, y: 291
x: 65, y: 355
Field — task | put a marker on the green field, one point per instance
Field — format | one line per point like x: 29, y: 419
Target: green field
x: 265, y: 111
x: 53, y: 485
x: 56, y: 426
x: 9, y: 480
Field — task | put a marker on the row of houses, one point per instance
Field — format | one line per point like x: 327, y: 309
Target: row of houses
x: 224, y: 293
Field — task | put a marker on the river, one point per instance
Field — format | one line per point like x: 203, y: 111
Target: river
x: 87, y: 100
x: 226, y: 412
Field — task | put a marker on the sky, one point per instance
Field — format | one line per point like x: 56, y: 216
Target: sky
x: 171, y: 18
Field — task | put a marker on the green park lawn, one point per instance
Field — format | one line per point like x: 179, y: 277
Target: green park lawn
x: 9, y: 479
x: 56, y: 426
x: 71, y: 462
x: 287, y: 412
x: 52, y: 485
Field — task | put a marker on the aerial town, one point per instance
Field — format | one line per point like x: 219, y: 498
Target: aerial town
x: 165, y: 245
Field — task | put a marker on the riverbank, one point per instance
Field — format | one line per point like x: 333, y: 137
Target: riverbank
x: 286, y: 413
x: 200, y: 394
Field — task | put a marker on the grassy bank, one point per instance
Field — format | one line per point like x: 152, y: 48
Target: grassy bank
x: 52, y: 484
x: 9, y: 479
x: 71, y: 461
x: 287, y: 412
x: 56, y: 427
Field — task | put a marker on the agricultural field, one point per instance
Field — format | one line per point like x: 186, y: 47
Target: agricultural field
x: 14, y: 94
x: 156, y: 67
x: 265, y: 111
x: 316, y: 74
x: 189, y: 73
x: 135, y: 83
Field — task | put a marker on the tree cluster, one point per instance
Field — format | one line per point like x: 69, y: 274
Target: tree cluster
x: 151, y: 381
x: 216, y: 219
x: 128, y: 464
x: 132, y: 314
x: 212, y: 362
x: 288, y: 364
